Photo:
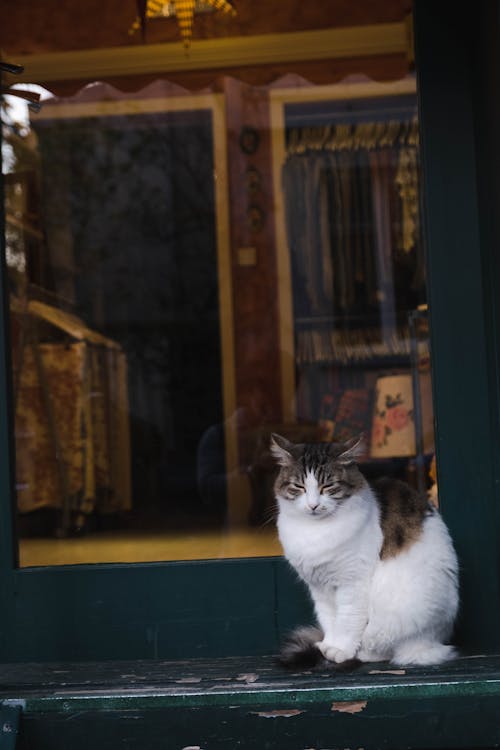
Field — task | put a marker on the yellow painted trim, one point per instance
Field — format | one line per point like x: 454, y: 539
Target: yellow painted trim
x: 278, y: 99
x: 360, y: 89
x: 53, y: 110
x: 285, y: 304
x: 95, y: 64
x: 237, y: 490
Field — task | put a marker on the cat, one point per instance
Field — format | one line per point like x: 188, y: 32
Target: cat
x: 378, y: 560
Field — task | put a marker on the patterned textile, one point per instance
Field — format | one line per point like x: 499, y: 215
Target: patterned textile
x: 71, y: 424
x: 39, y: 477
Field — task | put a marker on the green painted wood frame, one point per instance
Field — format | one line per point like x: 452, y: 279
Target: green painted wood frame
x: 234, y: 607
x: 458, y: 62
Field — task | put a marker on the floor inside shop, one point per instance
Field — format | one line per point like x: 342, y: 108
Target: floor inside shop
x: 129, y: 545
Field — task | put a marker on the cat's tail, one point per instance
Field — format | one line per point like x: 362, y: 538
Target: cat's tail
x: 300, y: 650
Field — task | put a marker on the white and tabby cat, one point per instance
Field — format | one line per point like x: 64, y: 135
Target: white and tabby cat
x: 378, y: 560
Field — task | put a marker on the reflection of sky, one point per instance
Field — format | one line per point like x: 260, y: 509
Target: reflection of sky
x: 16, y: 111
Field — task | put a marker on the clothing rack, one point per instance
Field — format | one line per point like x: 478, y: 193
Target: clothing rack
x: 354, y: 137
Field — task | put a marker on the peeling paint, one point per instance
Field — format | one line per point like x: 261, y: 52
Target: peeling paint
x: 250, y: 677
x: 188, y: 681
x: 349, y: 707
x: 283, y: 714
x: 387, y: 671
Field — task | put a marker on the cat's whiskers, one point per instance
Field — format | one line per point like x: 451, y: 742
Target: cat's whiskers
x: 270, y: 516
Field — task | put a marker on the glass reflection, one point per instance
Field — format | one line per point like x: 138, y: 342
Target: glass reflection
x: 182, y: 286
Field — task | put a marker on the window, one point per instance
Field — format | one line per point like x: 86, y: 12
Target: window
x: 260, y: 330
x: 140, y: 436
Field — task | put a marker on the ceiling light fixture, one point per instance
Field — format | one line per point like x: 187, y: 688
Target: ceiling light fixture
x: 184, y: 10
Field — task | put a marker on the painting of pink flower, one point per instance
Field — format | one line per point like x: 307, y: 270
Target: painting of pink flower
x: 397, y: 418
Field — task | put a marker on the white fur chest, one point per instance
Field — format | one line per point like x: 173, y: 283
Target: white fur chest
x: 332, y: 550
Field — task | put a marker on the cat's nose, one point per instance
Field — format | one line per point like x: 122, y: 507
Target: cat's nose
x: 313, y: 506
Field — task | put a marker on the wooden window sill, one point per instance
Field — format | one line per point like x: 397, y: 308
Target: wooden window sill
x: 250, y: 702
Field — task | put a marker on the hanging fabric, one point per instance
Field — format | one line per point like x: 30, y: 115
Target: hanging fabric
x: 351, y: 198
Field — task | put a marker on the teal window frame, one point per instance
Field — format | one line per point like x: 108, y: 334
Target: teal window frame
x: 233, y: 607
x: 458, y: 86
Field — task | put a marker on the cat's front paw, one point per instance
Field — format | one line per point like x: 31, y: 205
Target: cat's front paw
x: 335, y: 654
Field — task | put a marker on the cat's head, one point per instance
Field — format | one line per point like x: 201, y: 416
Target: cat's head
x: 314, y: 479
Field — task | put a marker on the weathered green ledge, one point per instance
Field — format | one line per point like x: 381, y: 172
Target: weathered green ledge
x: 233, y: 681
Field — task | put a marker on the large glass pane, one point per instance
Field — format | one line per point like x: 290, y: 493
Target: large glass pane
x: 184, y: 281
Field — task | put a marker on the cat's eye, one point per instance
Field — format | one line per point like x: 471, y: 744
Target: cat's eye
x: 327, y: 487
x: 294, y: 490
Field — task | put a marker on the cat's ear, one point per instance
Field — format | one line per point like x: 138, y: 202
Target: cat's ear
x: 353, y: 449
x: 281, y: 448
